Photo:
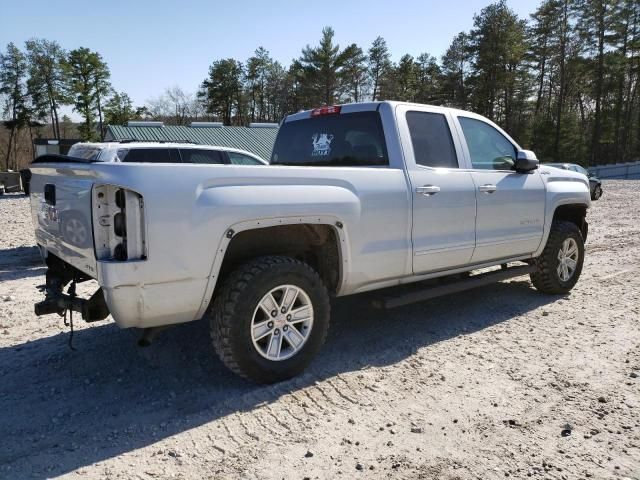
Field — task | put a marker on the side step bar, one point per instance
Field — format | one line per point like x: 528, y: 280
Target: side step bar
x: 474, y: 281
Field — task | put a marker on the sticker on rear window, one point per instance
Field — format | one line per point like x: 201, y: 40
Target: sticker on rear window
x: 321, y: 144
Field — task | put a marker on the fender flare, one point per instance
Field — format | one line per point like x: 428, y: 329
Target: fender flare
x: 332, y: 221
x: 551, y: 214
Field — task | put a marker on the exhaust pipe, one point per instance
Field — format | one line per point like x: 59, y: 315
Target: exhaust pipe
x: 150, y: 334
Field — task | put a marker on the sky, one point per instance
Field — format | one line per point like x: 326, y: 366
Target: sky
x: 152, y: 45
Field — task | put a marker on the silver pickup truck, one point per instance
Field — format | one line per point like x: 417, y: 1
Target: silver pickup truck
x: 357, y: 197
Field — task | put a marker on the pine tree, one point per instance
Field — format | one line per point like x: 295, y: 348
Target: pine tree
x: 379, y: 65
x: 354, y: 75
x: 322, y: 68
x: 118, y: 110
x: 13, y: 71
x: 428, y: 80
x: 46, y: 83
x: 258, y: 67
x: 102, y: 88
x: 595, y: 23
x: 498, y: 49
x: 222, y: 90
x: 79, y: 68
x: 406, y: 80
x: 456, y: 64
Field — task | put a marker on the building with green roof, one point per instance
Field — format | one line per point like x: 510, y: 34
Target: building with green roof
x: 257, y: 138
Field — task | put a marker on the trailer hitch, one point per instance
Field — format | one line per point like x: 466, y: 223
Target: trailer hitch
x: 92, y: 310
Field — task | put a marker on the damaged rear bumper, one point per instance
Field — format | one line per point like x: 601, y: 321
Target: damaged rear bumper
x: 130, y: 301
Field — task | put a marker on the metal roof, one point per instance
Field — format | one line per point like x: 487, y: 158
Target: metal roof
x: 255, y: 140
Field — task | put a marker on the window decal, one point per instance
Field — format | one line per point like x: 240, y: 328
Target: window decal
x: 321, y: 144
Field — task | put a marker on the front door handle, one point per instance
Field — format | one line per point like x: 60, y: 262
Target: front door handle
x: 488, y: 188
x: 428, y: 190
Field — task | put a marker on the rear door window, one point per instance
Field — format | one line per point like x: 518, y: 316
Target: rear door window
x: 342, y: 140
x: 194, y: 155
x: 431, y: 140
x: 145, y: 155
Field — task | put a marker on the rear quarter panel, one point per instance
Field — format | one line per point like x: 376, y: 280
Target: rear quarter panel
x: 190, y: 208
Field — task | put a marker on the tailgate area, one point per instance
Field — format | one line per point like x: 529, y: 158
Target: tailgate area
x: 61, y: 212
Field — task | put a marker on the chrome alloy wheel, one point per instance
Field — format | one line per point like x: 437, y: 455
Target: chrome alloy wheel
x: 567, y: 259
x: 282, y: 322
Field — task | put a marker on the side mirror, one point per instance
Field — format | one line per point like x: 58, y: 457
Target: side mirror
x: 526, y: 161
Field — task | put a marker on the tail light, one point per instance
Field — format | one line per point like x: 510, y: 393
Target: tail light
x: 119, y: 227
x: 328, y: 110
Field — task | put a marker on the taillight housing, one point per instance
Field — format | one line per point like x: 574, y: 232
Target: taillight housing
x: 118, y: 224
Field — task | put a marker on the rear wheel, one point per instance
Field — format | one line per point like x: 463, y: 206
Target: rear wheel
x: 560, y: 264
x: 270, y: 319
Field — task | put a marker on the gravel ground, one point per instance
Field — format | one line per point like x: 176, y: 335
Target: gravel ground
x: 507, y: 383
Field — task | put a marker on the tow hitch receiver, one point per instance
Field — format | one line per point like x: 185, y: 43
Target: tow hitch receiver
x: 92, y: 310
x: 59, y: 274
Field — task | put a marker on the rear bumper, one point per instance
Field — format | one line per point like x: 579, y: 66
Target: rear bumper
x: 131, y: 301
x: 134, y: 302
x: 154, y: 305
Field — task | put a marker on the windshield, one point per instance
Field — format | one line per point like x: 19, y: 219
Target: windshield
x: 582, y: 170
x: 343, y: 140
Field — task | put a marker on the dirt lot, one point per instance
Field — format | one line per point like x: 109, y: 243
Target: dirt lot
x: 501, y: 382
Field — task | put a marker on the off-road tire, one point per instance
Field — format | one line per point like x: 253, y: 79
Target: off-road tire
x: 232, y: 312
x: 546, y: 278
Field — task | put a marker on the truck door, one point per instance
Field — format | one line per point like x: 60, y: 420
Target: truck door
x: 443, y: 195
x: 510, y: 217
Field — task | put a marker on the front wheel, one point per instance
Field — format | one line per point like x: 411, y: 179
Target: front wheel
x: 270, y: 319
x: 560, y: 264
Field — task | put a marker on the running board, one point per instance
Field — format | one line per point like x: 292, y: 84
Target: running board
x: 479, y: 280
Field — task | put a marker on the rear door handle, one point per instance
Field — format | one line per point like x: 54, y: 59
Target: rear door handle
x: 488, y: 188
x: 428, y: 190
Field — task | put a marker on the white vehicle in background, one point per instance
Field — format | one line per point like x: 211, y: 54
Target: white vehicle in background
x: 163, y: 152
x: 74, y: 226
x: 356, y: 198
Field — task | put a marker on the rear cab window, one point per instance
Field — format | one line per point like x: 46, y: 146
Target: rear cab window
x: 339, y: 140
